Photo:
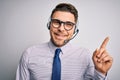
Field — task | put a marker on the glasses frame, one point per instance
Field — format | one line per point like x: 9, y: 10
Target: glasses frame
x: 64, y: 24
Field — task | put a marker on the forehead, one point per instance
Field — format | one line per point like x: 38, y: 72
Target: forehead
x: 63, y: 16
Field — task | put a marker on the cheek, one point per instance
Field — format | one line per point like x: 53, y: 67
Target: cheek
x: 71, y: 33
x: 52, y: 32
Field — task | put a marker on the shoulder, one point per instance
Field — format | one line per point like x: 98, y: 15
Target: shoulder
x: 82, y: 51
x: 32, y: 52
x: 35, y: 49
x: 38, y: 46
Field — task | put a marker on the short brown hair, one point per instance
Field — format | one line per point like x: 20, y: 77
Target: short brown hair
x: 66, y: 7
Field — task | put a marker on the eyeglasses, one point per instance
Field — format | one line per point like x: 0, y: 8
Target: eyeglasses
x: 67, y: 25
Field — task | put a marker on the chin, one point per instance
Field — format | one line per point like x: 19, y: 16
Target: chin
x: 58, y: 44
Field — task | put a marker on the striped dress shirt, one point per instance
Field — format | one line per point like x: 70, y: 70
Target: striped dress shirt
x: 76, y: 63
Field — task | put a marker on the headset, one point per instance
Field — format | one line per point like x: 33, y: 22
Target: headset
x: 76, y: 31
x: 48, y: 25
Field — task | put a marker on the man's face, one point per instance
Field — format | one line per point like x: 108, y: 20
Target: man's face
x: 60, y: 35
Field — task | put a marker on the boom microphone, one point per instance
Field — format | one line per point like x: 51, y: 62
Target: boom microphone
x: 72, y: 37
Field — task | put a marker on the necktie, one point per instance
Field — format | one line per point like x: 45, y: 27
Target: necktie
x: 56, y: 70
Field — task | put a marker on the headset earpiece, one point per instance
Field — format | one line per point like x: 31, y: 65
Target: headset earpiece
x: 76, y: 29
x: 48, y: 25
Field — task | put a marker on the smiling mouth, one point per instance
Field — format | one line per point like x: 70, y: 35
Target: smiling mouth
x: 60, y: 36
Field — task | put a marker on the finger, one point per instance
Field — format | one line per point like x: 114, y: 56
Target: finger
x: 104, y: 54
x: 94, y: 57
x: 107, y: 59
x: 100, y: 52
x: 103, y: 45
x: 95, y: 53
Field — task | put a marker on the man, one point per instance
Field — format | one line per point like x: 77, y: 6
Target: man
x: 58, y: 59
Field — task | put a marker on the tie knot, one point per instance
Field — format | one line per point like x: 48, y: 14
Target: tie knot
x: 57, y: 51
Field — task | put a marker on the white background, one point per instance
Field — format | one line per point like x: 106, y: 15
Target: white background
x: 23, y: 24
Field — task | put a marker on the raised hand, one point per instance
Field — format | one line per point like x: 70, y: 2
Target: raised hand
x: 101, y: 58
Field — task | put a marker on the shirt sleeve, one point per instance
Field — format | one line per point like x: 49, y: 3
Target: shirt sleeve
x: 90, y: 75
x: 22, y: 70
x: 99, y: 76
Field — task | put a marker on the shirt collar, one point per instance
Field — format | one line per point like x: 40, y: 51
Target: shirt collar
x: 64, y: 48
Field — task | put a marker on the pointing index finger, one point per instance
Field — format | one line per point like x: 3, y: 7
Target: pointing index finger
x: 103, y: 45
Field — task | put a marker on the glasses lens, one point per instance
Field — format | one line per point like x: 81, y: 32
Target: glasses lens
x: 69, y: 25
x: 55, y: 23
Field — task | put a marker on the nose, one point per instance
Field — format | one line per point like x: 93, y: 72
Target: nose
x: 62, y: 27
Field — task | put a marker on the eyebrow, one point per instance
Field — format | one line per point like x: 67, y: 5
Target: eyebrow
x: 63, y: 21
